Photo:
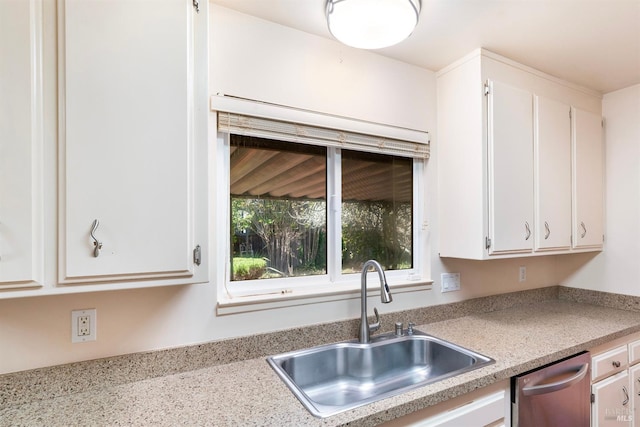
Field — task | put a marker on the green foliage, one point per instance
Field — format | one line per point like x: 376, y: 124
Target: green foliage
x: 293, y: 235
x: 291, y: 230
x: 248, y: 268
x: 376, y: 230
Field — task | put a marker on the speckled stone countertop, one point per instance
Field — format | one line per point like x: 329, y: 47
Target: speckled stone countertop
x: 248, y: 392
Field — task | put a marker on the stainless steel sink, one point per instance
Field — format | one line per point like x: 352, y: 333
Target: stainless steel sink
x: 334, y: 378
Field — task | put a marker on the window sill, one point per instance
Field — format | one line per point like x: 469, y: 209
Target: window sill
x: 243, y: 304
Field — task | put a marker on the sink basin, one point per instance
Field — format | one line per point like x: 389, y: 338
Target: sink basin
x: 334, y: 378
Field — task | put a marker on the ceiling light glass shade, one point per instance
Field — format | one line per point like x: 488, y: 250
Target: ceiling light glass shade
x: 372, y: 24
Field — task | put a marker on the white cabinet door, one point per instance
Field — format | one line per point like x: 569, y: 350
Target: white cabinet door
x: 588, y: 176
x: 634, y: 374
x: 552, y: 174
x: 510, y: 157
x: 486, y: 411
x: 21, y: 144
x: 490, y: 406
x: 612, y: 402
x: 505, y: 168
x: 126, y: 131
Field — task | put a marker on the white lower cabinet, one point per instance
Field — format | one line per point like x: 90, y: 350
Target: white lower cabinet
x: 634, y: 378
x: 488, y: 407
x: 486, y: 411
x: 615, y: 388
x: 611, y: 401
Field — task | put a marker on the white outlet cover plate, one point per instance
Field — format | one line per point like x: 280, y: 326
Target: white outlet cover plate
x: 75, y: 335
x: 450, y: 282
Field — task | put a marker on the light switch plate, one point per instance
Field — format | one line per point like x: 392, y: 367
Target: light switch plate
x: 449, y: 282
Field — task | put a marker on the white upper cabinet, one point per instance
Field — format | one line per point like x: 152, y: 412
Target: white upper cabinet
x: 510, y: 168
x: 21, y: 144
x: 126, y: 140
x: 553, y: 174
x: 505, y: 161
x: 588, y: 171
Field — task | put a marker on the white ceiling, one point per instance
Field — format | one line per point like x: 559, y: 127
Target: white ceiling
x: 594, y: 43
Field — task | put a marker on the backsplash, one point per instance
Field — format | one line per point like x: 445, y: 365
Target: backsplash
x: 605, y: 299
x: 46, y: 383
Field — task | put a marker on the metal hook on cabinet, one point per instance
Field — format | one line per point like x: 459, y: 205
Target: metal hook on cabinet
x: 97, y: 245
x: 584, y: 230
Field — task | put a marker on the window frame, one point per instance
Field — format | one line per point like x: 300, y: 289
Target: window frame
x: 334, y: 279
x: 334, y: 285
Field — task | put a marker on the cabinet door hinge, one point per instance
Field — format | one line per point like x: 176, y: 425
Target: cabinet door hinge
x: 487, y: 89
x: 487, y: 242
x: 593, y: 398
x: 196, y: 6
x: 197, y: 255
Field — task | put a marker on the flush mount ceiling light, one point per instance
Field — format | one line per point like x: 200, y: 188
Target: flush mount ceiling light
x: 372, y: 24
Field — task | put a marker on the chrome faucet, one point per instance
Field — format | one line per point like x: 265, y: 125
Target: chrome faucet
x: 385, y: 297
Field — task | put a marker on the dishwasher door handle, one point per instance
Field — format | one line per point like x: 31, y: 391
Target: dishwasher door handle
x: 558, y: 385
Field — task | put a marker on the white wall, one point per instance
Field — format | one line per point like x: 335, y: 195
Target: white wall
x: 617, y: 269
x: 257, y: 59
x: 313, y: 73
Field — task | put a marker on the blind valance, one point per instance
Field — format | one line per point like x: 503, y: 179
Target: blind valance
x: 293, y: 131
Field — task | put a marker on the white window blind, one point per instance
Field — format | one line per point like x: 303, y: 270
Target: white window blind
x: 251, y: 118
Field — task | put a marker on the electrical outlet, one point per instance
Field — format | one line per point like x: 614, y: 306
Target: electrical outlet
x: 523, y: 274
x: 83, y: 325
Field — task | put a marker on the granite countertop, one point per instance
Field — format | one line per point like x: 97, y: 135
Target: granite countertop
x: 249, y: 393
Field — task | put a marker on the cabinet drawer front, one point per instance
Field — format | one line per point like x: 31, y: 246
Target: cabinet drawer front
x: 634, y: 352
x: 610, y: 362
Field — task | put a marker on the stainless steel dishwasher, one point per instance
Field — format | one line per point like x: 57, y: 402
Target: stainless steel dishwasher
x: 558, y: 394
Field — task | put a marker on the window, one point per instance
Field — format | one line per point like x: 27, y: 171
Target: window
x: 278, y: 209
x: 377, y: 211
x: 307, y: 206
x: 278, y: 201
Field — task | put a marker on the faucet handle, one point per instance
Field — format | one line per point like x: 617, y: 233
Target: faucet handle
x: 375, y: 326
x: 398, y: 329
x: 410, y: 328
